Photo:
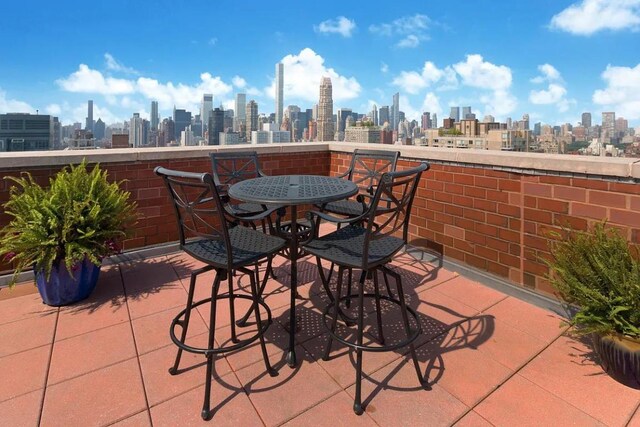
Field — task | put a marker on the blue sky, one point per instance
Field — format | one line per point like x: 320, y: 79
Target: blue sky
x: 548, y: 58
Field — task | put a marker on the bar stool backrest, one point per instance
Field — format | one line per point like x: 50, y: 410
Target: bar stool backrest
x: 367, y: 166
x: 232, y: 167
x: 390, y: 209
x: 198, y: 207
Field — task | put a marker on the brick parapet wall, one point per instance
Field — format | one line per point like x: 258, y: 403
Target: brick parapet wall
x: 499, y: 221
x: 157, y: 222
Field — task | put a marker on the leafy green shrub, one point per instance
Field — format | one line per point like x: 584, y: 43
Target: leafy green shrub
x: 599, y: 272
x: 80, y: 215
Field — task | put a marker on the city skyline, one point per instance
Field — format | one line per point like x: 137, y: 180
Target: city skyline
x: 483, y: 56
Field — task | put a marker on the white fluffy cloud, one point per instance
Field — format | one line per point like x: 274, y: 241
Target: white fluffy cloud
x: 239, y: 82
x: 413, y: 82
x: 622, y: 93
x: 590, y: 16
x: 339, y: 25
x: 13, y: 105
x: 302, y: 74
x: 86, y: 80
x: 431, y: 103
x: 114, y: 65
x: 555, y: 93
x: 476, y: 72
x: 411, y: 29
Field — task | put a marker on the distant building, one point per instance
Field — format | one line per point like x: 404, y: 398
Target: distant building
x: 448, y: 123
x: 363, y: 134
x: 215, y: 126
x: 89, y: 120
x: 119, y: 141
x: 455, y: 114
x: 251, y: 112
x: 466, y: 113
x: 426, y: 121
x: 383, y: 116
x: 269, y: 136
x: 342, y: 115
x: 240, y: 112
x: 206, y: 106
x: 608, y: 126
x: 26, y: 132
x: 136, y: 131
x: 230, y: 138
x: 181, y: 119
x: 395, y: 111
x: 325, y: 111
x: 586, y: 120
x: 99, y: 130
x: 374, y: 115
x: 155, y: 117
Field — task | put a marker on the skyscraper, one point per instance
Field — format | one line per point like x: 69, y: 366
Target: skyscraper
x: 466, y: 111
x: 215, y: 126
x: 608, y: 126
x: 426, y: 121
x: 342, y: 115
x: 279, y: 92
x: 136, y: 131
x: 181, y: 119
x: 374, y: 115
x: 89, y: 124
x: 205, y: 110
x: 325, y: 111
x: 586, y: 120
x: 155, y: 118
x: 395, y: 111
x: 434, y: 121
x: 99, y: 130
x: 383, y: 115
x: 240, y: 111
x: 251, y: 118
x: 455, y: 114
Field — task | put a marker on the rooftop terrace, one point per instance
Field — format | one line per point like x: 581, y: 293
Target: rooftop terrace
x: 477, y: 234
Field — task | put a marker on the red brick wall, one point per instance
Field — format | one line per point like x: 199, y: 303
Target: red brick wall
x: 157, y: 219
x: 498, y: 221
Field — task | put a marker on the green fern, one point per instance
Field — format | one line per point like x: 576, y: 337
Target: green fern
x: 80, y: 215
x: 599, y: 272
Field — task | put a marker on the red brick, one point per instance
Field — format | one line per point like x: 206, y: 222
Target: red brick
x: 485, y: 182
x: 486, y: 253
x: 454, y: 188
x: 462, y: 201
x: 629, y: 218
x: 455, y: 232
x: 553, y: 205
x: 591, y: 184
x: 499, y: 220
x: 634, y: 203
x: 498, y: 196
x: 464, y: 223
x: 509, y: 210
x: 463, y: 179
x: 537, y: 216
x: 510, y: 260
x: 623, y: 187
x: 557, y: 180
x: 444, y: 218
x: 607, y: 199
x: 479, y: 193
x: 453, y: 210
x: 570, y: 193
x: 499, y: 245
x: 498, y: 269
x: 530, y: 202
x: 463, y: 245
x: 589, y: 211
x: 509, y: 235
x: 535, y: 242
x: 485, y: 205
x: 442, y: 197
x: 474, y: 214
x: 487, y: 230
x: 533, y: 189
x: 475, y: 237
x: 509, y: 185
x: 475, y: 261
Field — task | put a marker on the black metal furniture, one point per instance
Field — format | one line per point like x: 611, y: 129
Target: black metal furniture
x: 212, y: 234
x: 293, y: 190
x: 365, y: 170
x: 368, y: 242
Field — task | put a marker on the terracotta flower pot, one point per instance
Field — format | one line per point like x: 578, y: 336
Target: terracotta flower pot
x: 620, y: 357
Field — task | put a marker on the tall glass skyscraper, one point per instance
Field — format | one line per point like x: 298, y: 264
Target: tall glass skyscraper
x: 325, y: 111
x: 395, y: 111
x: 155, y: 118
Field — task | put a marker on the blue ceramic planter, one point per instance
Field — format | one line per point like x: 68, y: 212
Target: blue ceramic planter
x: 64, y: 287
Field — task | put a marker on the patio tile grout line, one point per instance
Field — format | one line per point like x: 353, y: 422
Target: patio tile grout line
x: 46, y: 377
x: 633, y: 414
x: 135, y: 346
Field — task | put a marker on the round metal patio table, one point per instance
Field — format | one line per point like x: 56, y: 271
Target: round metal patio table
x: 293, y: 190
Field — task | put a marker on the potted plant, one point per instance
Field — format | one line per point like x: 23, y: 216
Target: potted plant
x: 64, y: 231
x: 598, y: 273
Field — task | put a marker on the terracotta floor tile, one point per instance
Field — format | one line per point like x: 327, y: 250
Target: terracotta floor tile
x: 392, y: 396
x: 105, y: 307
x: 26, y: 334
x: 472, y: 419
x: 21, y: 411
x: 139, y: 420
x: 522, y: 403
x: 528, y: 318
x: 158, y: 298
x: 160, y: 385
x: 278, y: 399
x: 333, y: 412
x: 565, y: 370
x: 93, y: 350
x: 470, y: 293
x: 23, y: 372
x: 98, y: 398
x: 635, y: 420
x: 463, y: 371
x: 24, y: 307
x: 229, y: 402
x: 418, y: 276
x: 152, y: 332
x: 510, y: 346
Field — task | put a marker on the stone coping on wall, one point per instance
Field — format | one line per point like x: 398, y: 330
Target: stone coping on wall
x: 519, y: 162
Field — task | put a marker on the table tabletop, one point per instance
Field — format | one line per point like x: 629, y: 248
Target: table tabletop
x: 293, y: 189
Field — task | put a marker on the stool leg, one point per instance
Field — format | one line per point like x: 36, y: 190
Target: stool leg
x: 256, y: 310
x: 334, y: 320
x: 378, y: 310
x: 347, y: 303
x: 206, y: 406
x: 357, y: 402
x: 232, y: 311
x: 243, y: 321
x: 405, y: 319
x: 386, y: 283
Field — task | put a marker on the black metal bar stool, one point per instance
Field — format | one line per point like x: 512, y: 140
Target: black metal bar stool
x: 368, y: 242
x: 213, y: 235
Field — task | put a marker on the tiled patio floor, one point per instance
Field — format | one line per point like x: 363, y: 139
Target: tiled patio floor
x: 490, y: 359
